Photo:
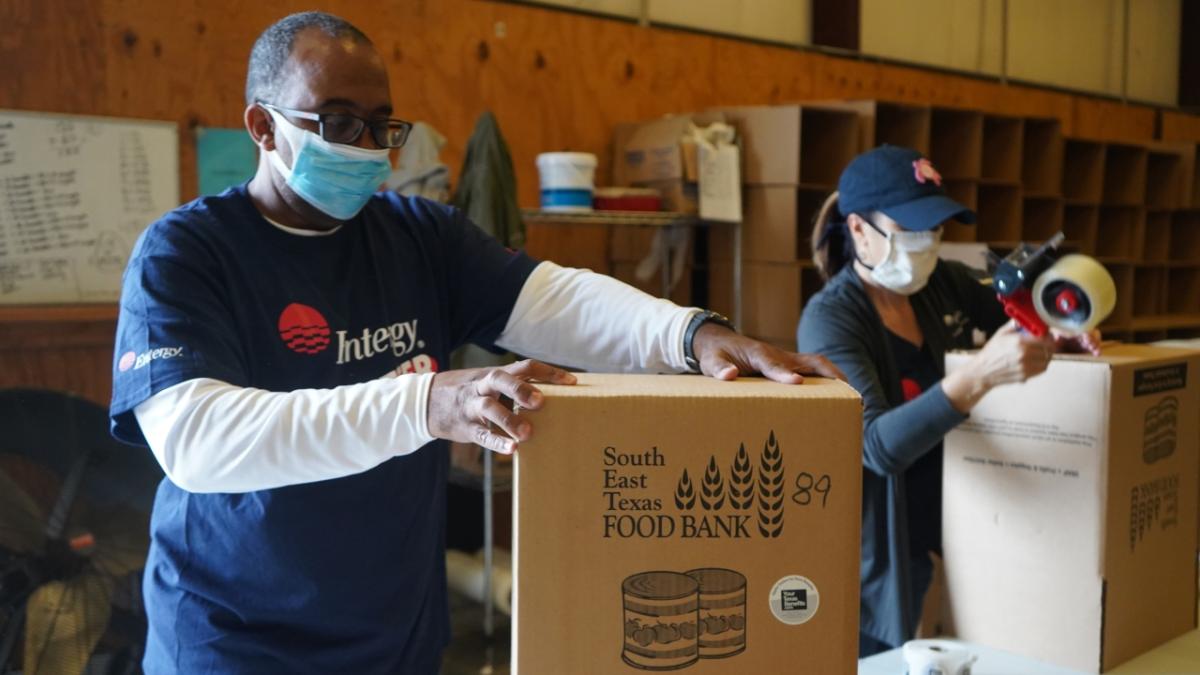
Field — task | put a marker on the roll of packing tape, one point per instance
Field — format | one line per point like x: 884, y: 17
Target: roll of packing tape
x: 465, y: 575
x: 937, y: 657
x: 1075, y: 295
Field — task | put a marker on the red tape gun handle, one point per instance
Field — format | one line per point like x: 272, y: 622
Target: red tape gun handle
x: 1019, y: 306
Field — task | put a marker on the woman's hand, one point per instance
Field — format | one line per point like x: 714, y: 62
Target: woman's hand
x: 1010, y: 356
x: 1083, y: 343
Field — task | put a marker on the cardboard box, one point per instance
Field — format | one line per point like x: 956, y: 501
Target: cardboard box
x: 776, y: 227
x: 882, y: 122
x: 658, y: 154
x: 792, y: 144
x: 772, y: 297
x: 1070, y: 509
x: 678, y: 522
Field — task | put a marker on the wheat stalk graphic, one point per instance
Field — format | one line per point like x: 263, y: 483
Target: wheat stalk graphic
x: 770, y: 489
x: 685, y: 496
x: 741, y: 481
x: 712, y: 489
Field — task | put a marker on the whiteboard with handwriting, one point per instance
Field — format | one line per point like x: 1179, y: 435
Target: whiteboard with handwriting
x: 75, y: 193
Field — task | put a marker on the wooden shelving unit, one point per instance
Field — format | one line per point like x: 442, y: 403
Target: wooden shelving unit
x: 1133, y: 206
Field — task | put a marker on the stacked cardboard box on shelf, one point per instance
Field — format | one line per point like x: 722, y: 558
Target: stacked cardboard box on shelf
x: 658, y: 154
x: 792, y: 157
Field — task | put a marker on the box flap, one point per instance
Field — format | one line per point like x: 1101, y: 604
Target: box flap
x: 604, y: 385
x: 1087, y: 474
x: 1121, y: 354
x: 1025, y: 474
x: 1023, y: 514
x: 994, y: 600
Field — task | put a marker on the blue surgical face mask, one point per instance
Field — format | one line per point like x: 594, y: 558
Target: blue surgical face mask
x: 336, y: 179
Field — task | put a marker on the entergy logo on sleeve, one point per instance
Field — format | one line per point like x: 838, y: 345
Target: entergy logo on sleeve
x: 130, y: 360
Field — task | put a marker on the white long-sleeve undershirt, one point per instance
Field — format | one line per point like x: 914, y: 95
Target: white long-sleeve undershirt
x: 212, y: 436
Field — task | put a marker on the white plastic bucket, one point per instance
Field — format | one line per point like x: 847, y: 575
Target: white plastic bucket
x: 567, y: 180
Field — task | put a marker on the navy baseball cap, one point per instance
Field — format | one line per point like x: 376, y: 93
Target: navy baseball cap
x: 902, y: 184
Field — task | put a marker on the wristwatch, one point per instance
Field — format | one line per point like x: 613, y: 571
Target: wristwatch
x: 689, y: 335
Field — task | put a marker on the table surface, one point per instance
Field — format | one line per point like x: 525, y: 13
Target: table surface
x: 1177, y: 657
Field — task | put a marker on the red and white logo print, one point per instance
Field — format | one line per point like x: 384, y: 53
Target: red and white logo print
x: 136, y: 361
x: 127, y: 361
x: 924, y: 172
x: 303, y: 329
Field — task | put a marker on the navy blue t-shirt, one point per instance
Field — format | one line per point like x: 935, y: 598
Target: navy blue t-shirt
x: 340, y: 576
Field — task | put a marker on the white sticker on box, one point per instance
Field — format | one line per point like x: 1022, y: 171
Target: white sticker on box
x: 794, y: 600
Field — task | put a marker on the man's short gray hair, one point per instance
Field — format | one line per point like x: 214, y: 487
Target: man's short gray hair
x: 272, y: 49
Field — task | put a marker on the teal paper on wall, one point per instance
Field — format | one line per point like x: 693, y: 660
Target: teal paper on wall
x: 224, y: 157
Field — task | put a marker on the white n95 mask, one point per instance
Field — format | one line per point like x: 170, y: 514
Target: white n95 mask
x: 909, y: 262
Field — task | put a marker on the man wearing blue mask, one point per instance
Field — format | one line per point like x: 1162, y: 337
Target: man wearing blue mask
x: 279, y: 350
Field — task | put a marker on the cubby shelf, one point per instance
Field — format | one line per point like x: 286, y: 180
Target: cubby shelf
x: 1134, y: 206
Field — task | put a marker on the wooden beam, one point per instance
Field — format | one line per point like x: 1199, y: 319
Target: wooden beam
x: 835, y: 23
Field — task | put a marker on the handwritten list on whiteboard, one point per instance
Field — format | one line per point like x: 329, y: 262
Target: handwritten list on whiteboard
x: 75, y: 193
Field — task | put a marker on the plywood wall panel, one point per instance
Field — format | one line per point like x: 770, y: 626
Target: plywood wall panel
x: 1180, y: 126
x: 68, y: 355
x: 554, y: 79
x: 1111, y: 120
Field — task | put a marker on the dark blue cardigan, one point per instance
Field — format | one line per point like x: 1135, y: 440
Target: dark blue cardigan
x: 841, y: 323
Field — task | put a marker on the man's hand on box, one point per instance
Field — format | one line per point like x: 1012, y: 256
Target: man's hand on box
x: 475, y: 405
x: 724, y: 354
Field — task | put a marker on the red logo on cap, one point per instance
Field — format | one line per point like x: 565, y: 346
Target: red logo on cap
x: 303, y: 329
x: 924, y: 171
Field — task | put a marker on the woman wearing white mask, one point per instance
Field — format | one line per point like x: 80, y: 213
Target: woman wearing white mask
x: 888, y: 313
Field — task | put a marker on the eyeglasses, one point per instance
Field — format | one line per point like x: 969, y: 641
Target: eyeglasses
x: 347, y: 129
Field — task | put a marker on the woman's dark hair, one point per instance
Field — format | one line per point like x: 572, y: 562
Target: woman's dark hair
x: 832, y: 245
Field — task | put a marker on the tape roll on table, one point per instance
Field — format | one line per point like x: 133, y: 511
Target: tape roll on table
x: 937, y: 657
x: 464, y: 575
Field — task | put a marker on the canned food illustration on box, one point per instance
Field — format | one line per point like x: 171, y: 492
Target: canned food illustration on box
x: 722, y: 612
x: 672, y: 620
x: 661, y: 611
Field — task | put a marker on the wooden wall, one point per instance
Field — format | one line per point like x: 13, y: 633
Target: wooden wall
x: 555, y: 80
x: 1177, y: 126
